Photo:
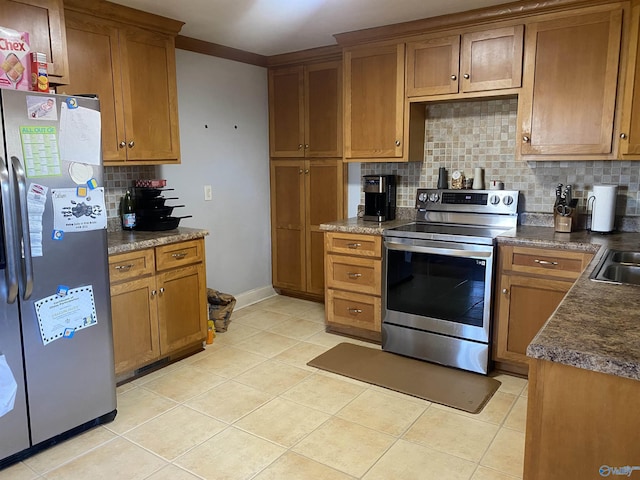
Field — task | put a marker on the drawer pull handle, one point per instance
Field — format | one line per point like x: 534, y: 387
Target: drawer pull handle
x: 354, y: 245
x: 354, y: 310
x: 179, y: 255
x: 544, y: 262
x: 124, y: 267
x: 354, y: 275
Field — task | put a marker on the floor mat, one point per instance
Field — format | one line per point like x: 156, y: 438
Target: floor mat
x: 455, y: 388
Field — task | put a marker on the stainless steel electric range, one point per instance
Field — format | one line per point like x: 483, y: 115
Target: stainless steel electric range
x: 438, y: 276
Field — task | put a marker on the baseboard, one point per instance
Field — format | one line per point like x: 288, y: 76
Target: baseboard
x: 253, y: 296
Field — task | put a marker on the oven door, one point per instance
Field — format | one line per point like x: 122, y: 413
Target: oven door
x: 438, y: 287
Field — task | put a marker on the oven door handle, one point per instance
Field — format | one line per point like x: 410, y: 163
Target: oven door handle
x: 451, y: 252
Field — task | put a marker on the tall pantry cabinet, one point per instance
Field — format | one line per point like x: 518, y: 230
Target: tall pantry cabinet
x: 307, y: 172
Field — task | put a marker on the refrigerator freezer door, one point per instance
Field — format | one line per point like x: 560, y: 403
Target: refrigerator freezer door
x: 70, y: 381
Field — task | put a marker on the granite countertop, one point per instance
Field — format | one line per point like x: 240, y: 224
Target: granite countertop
x: 597, y: 325
x: 124, y: 241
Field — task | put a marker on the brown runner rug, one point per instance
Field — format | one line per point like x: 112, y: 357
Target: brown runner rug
x: 455, y: 388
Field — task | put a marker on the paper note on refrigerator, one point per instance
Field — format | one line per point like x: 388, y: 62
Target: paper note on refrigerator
x: 40, y: 149
x: 72, y: 213
x: 36, y: 199
x: 8, y: 387
x: 80, y: 135
x: 57, y: 315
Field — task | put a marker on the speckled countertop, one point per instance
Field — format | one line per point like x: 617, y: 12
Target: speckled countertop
x: 597, y: 325
x: 125, y: 241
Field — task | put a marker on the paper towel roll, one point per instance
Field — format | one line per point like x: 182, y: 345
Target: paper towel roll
x: 603, y: 211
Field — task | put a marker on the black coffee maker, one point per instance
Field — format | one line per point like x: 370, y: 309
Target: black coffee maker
x: 379, y: 197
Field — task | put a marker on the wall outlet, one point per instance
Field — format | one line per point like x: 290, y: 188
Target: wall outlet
x: 208, y: 195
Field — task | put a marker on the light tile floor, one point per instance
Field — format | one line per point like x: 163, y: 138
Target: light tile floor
x: 249, y: 407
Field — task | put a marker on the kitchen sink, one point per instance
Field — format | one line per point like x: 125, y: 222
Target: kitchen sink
x: 618, y: 266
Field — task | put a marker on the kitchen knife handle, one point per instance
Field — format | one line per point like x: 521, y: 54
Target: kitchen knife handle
x: 27, y: 262
x: 8, y: 226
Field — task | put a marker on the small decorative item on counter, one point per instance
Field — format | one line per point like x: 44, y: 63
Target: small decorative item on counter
x: 443, y: 181
x: 496, y: 185
x: 150, y: 183
x: 15, y: 63
x: 128, y: 212
x: 468, y: 183
x: 478, y: 179
x: 457, y: 180
x: 39, y: 73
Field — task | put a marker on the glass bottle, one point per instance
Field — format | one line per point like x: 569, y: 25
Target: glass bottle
x: 128, y: 212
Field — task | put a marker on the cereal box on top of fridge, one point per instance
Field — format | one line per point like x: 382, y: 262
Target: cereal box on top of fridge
x: 15, y: 63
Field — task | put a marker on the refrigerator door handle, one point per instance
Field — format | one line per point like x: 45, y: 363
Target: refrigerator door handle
x: 8, y: 226
x: 27, y: 264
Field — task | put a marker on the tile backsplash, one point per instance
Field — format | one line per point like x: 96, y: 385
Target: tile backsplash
x: 465, y: 135
x: 116, y: 182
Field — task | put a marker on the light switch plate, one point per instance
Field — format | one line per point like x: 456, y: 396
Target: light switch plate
x: 208, y: 195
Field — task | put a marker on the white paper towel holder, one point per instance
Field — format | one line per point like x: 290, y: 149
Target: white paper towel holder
x: 603, y: 208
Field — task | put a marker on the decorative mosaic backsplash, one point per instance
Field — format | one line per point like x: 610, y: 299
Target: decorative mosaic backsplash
x: 116, y: 182
x: 465, y: 135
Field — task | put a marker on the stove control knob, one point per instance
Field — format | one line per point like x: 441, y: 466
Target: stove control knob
x: 508, y: 200
x: 422, y: 197
x: 494, y: 200
x: 434, y: 197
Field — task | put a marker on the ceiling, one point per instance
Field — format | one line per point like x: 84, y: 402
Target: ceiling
x: 270, y: 27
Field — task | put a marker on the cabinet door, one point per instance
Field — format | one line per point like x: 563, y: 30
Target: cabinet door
x: 288, y: 224
x: 492, y: 59
x: 432, y: 66
x: 630, y: 125
x: 95, y: 68
x: 374, y: 102
x: 569, y: 89
x: 149, y: 95
x: 182, y: 307
x: 44, y: 20
x: 324, y: 203
x: 135, y: 324
x: 523, y: 305
x: 323, y: 110
x: 286, y: 112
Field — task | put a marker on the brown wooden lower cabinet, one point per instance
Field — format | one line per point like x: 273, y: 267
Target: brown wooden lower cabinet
x: 579, y: 421
x: 353, y: 276
x: 531, y: 283
x: 158, y: 303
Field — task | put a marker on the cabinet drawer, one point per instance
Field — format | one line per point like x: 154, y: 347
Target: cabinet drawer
x: 354, y: 310
x: 354, y: 274
x: 544, y: 261
x: 353, y: 244
x: 179, y: 254
x: 124, y: 266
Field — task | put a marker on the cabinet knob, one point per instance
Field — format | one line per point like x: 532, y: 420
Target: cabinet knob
x: 453, y: 77
x: 306, y: 171
x: 544, y: 262
x: 301, y: 172
x: 122, y: 144
x: 397, y: 143
x: 299, y: 146
x: 354, y: 310
x: 505, y: 291
x: 526, y: 139
x: 161, y: 290
x: 154, y: 293
x: 623, y: 136
x: 306, y: 146
x: 131, y: 144
x: 466, y: 76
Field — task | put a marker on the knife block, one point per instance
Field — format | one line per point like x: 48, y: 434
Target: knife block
x: 566, y: 223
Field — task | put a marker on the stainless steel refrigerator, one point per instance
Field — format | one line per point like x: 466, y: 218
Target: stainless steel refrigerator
x: 56, y: 345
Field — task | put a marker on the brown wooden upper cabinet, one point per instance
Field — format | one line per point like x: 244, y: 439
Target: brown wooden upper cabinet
x: 472, y: 62
x: 44, y: 20
x: 305, y: 110
x: 630, y: 124
x: 377, y: 127
x: 566, y: 109
x: 133, y: 71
